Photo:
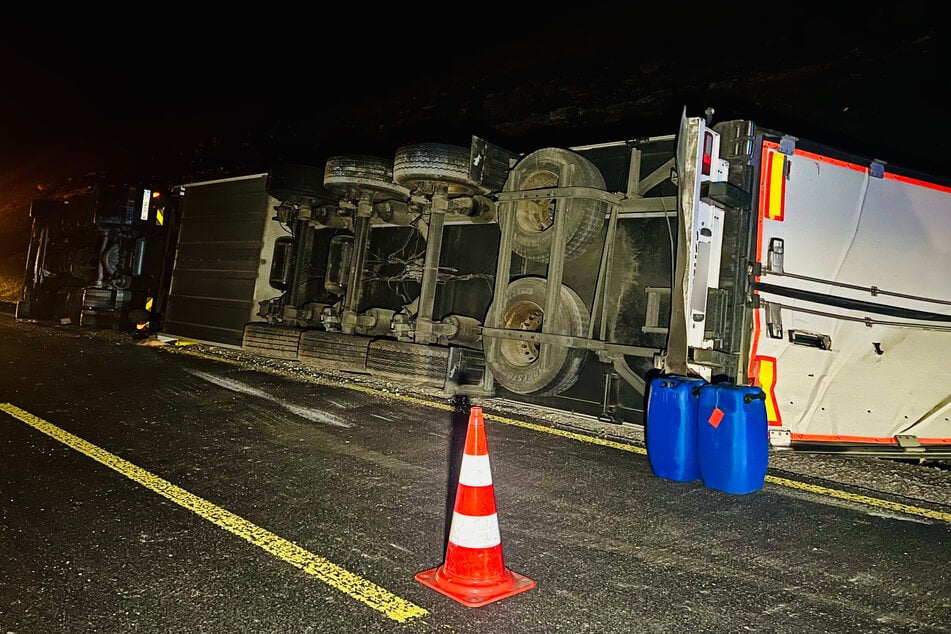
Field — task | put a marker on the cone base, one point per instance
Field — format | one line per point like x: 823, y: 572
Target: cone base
x: 475, y: 593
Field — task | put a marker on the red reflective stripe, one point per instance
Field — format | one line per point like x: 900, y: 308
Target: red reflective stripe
x: 475, y: 501
x: 918, y: 183
x: 476, y: 444
x: 864, y: 439
x: 473, y: 563
x: 751, y: 371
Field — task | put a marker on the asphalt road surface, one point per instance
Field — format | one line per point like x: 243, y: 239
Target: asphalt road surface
x: 162, y: 489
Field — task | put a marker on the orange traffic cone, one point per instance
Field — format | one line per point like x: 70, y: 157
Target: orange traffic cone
x: 474, y: 572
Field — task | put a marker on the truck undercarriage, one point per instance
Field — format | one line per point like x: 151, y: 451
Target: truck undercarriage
x: 560, y: 278
x: 393, y: 267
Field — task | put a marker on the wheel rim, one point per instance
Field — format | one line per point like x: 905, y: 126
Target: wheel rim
x: 527, y: 316
x: 530, y: 367
x: 532, y: 220
x: 537, y: 215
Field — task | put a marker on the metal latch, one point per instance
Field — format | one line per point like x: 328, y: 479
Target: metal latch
x: 810, y: 339
x: 775, y: 257
x: 787, y: 145
x: 780, y: 438
x: 877, y: 169
x: 907, y: 441
x: 774, y: 320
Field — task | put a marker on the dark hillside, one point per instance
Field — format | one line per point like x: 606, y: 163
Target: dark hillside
x: 216, y: 105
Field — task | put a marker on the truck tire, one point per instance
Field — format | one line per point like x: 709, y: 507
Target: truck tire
x: 335, y: 350
x: 271, y: 340
x: 413, y: 363
x: 423, y: 163
x: 347, y: 176
x: 534, y: 220
x: 516, y: 365
x: 285, y: 181
x: 68, y: 304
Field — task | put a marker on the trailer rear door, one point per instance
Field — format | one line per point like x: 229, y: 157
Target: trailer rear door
x: 223, y: 260
x: 853, y: 334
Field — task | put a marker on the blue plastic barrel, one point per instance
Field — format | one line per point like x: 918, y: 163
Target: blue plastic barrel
x: 732, y: 437
x: 670, y: 427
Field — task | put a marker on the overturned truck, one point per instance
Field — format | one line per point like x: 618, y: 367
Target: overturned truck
x: 569, y: 277
x: 99, y: 258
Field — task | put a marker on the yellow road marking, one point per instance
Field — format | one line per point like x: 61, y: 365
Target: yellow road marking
x: 433, y: 404
x: 333, y: 575
x: 554, y: 431
x: 861, y: 499
x: 819, y: 490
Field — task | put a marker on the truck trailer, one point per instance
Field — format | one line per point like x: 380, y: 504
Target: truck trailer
x: 569, y: 278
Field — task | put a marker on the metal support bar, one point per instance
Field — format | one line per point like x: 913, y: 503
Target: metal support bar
x: 557, y: 193
x: 626, y: 373
x: 567, y: 341
x: 599, y: 306
x: 556, y: 263
x: 427, y: 292
x: 361, y: 241
x: 656, y: 177
x: 502, y: 271
x: 303, y: 242
x: 634, y: 173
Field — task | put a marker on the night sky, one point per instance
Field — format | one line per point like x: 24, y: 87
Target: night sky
x: 175, y: 92
x: 158, y: 98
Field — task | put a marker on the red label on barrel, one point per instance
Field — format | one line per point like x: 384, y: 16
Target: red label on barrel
x: 715, y: 417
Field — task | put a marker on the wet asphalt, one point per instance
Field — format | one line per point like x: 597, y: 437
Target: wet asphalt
x: 148, y: 489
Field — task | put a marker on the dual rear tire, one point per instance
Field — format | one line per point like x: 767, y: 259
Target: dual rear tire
x: 524, y: 367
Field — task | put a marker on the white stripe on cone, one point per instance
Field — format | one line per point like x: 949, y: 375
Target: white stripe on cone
x: 471, y: 531
x: 475, y: 471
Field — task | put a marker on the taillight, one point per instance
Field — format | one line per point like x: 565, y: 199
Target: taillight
x: 707, y: 159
